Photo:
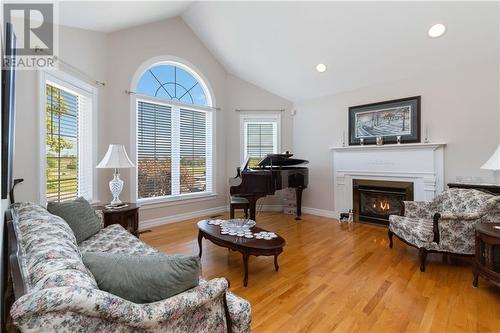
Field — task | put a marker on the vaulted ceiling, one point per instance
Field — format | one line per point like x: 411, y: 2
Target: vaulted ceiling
x: 276, y: 45
x: 108, y: 16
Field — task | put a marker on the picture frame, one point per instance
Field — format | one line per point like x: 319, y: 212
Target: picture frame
x: 387, y: 119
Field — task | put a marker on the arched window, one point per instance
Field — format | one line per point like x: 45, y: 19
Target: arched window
x: 174, y: 134
x: 175, y: 82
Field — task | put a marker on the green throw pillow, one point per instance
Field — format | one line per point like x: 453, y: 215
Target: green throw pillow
x: 79, y: 215
x: 143, y: 279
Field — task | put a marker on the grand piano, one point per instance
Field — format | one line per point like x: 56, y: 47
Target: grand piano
x: 273, y: 173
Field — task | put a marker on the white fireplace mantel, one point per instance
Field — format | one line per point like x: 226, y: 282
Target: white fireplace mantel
x: 406, y: 146
x: 419, y: 163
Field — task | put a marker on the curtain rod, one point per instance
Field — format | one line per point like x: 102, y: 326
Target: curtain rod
x: 259, y: 110
x: 74, y: 69
x: 130, y: 92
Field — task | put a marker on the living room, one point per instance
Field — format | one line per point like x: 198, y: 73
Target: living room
x: 325, y: 128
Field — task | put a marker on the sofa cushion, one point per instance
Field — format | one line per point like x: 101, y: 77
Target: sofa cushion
x: 415, y: 231
x: 49, y: 256
x: 115, y: 239
x: 143, y: 279
x: 79, y: 215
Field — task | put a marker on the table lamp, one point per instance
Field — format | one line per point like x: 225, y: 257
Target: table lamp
x: 494, y: 161
x: 116, y: 158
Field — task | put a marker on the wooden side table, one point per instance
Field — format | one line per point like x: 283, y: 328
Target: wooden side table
x: 487, y: 260
x: 127, y: 217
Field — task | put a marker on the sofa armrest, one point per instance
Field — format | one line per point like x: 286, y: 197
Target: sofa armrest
x: 240, y: 313
x: 98, y: 303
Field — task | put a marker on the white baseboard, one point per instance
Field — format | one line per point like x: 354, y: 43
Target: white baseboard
x: 271, y: 208
x: 307, y: 210
x: 143, y: 225
x: 180, y: 217
x: 266, y: 208
x: 320, y: 212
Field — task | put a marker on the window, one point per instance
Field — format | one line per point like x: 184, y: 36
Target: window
x: 174, y: 134
x: 260, y: 136
x: 69, y: 162
x: 173, y: 82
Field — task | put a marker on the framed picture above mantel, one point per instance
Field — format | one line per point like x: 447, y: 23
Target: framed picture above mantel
x: 388, y: 119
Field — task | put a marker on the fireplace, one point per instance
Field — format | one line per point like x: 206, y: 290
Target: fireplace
x: 375, y: 200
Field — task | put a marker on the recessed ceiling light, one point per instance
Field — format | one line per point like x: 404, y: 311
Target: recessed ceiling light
x: 437, y: 30
x: 321, y: 68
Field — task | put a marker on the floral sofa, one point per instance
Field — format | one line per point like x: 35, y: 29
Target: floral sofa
x: 61, y: 295
x: 445, y: 224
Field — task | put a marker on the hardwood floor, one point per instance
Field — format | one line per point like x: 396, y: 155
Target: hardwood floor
x: 338, y: 278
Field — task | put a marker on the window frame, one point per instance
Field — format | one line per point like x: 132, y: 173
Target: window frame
x: 181, y: 197
x: 74, y: 85
x: 259, y: 117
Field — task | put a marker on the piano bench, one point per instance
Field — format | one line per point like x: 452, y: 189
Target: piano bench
x: 238, y: 203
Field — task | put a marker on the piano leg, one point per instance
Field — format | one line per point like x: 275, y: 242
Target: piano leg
x: 298, y: 196
x: 253, y: 204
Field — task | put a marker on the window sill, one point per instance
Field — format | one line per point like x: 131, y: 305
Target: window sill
x: 152, y: 203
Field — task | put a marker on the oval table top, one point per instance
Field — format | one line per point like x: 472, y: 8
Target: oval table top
x: 251, y: 243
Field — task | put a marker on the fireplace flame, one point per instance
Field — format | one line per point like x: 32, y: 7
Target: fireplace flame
x: 382, y: 205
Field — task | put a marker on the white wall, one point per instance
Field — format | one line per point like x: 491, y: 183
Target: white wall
x: 243, y: 95
x: 127, y: 51
x: 460, y: 108
x: 84, y: 50
x: 467, y: 95
x: 3, y: 207
x: 115, y: 58
x: 130, y: 48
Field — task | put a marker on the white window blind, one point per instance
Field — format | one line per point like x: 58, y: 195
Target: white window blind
x: 260, y: 139
x: 174, y: 149
x: 68, y: 141
x: 87, y: 142
x: 193, y: 151
x: 154, y: 149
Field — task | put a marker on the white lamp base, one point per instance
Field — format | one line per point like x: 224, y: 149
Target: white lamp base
x: 116, y: 187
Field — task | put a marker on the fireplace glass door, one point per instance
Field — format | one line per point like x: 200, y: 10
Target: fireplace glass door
x: 375, y: 200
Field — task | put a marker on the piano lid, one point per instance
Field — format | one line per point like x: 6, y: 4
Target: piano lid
x: 280, y: 160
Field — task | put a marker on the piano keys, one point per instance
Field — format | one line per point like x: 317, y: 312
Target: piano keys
x: 273, y: 173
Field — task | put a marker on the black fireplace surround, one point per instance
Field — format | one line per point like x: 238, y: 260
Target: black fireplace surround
x: 375, y: 200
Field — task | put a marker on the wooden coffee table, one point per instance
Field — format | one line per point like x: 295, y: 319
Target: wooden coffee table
x: 246, y: 246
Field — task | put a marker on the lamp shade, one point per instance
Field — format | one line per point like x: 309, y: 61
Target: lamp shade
x: 116, y: 158
x: 494, y: 162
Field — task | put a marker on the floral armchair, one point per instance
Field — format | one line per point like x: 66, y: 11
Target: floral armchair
x: 445, y: 224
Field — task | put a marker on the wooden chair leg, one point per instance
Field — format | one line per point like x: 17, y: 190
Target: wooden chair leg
x: 422, y: 255
x: 231, y: 212
x: 390, y: 234
x: 246, y: 213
